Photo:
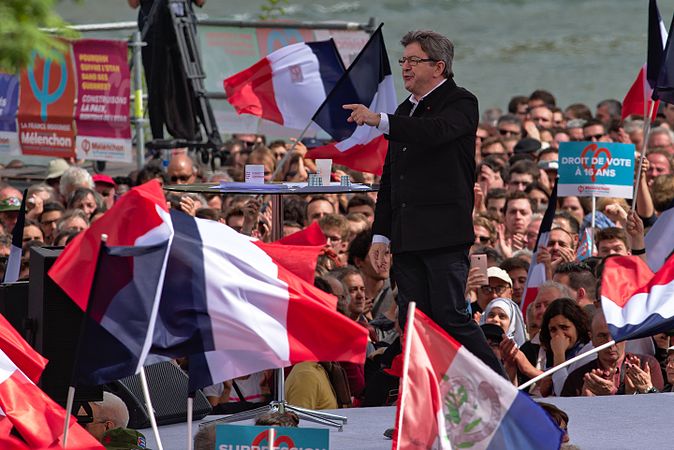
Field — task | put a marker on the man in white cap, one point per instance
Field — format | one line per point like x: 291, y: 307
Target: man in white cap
x: 499, y: 285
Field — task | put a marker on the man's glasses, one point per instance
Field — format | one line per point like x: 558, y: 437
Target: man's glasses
x: 508, y: 132
x: 483, y: 239
x: 593, y: 137
x: 498, y: 290
x: 413, y: 60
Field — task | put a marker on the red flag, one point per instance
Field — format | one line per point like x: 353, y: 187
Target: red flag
x: 633, y: 103
x: 311, y: 235
x: 18, y: 350
x: 299, y: 259
x: 36, y: 417
x: 138, y: 218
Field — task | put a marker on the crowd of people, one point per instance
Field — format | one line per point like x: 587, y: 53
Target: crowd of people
x: 516, y: 155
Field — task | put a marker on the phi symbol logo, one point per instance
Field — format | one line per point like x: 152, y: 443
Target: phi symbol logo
x: 86, y: 146
x: 581, y: 189
x: 42, y: 94
x: 593, y: 152
x: 280, y: 440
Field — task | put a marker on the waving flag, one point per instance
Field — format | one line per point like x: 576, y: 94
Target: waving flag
x: 638, y: 99
x: 224, y: 294
x: 37, y: 418
x: 636, y: 302
x: 288, y: 85
x: 137, y: 218
x: 451, y: 399
x: 16, y: 348
x: 586, y: 247
x: 224, y: 301
x: 536, y: 275
x: 664, y: 86
x: 121, y: 313
x: 367, y: 81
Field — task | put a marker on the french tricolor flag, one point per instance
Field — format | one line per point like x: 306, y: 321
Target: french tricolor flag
x: 233, y: 307
x: 638, y: 100
x: 288, y: 85
x: 636, y: 301
x: 451, y: 399
x: 367, y: 81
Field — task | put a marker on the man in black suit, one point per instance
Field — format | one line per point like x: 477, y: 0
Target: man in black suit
x: 425, y: 201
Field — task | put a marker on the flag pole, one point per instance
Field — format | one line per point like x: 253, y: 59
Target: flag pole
x: 190, y: 405
x: 150, y: 409
x: 71, y: 389
x: 647, y: 131
x: 594, y: 210
x: 409, y: 329
x: 564, y: 364
x: 290, y: 152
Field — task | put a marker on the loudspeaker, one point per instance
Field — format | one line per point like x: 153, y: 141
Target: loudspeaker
x: 57, y: 322
x: 14, y: 306
x: 168, y: 391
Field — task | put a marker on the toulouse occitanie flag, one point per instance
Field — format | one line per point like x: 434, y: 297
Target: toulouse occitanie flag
x: 288, y: 85
x: 451, y: 399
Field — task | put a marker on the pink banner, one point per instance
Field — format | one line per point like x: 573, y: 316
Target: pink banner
x: 102, y: 112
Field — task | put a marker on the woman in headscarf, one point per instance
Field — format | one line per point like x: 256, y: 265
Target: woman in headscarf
x: 506, y: 314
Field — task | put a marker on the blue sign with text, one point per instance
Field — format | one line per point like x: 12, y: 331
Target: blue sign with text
x: 599, y: 169
x: 248, y: 437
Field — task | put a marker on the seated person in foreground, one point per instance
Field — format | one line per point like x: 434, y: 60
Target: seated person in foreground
x: 308, y: 386
x: 613, y: 372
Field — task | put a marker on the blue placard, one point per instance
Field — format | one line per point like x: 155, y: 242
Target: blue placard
x: 248, y: 437
x: 600, y: 169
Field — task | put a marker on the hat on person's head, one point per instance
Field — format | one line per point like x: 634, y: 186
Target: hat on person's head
x: 104, y: 179
x: 492, y: 332
x: 56, y: 168
x: 123, y: 439
x: 10, y: 204
x: 497, y: 272
x: 527, y: 145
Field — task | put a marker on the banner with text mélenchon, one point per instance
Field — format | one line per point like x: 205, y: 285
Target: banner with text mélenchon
x: 72, y: 103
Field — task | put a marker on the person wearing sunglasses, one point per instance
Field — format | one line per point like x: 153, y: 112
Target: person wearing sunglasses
x: 594, y: 131
x: 181, y: 170
x: 425, y: 201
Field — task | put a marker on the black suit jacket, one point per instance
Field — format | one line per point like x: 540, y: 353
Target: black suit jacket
x: 425, y: 200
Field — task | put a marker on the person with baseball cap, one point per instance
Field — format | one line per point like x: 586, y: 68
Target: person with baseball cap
x: 498, y: 284
x: 107, y: 187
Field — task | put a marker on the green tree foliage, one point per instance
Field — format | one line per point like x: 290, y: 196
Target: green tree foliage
x: 271, y: 9
x: 22, y: 24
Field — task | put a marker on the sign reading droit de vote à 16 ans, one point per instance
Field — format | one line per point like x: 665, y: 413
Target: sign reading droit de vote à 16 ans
x: 599, y: 169
x: 102, y: 114
x: 9, y: 103
x: 248, y: 437
x: 46, y: 106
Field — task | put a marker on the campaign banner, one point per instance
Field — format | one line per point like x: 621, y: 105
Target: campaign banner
x: 102, y: 113
x: 599, y: 169
x: 46, y: 106
x: 248, y: 437
x: 9, y: 103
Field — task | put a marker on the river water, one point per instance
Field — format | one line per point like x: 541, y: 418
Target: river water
x: 580, y: 50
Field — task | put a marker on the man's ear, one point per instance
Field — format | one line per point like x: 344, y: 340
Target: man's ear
x: 581, y: 293
x: 358, y: 262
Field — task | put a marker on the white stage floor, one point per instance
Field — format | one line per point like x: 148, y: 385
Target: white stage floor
x: 611, y: 423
